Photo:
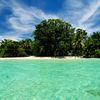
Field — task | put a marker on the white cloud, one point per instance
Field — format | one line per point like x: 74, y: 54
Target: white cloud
x: 90, y: 11
x: 72, y: 10
x: 74, y: 3
x: 89, y: 18
x: 1, y: 37
x: 24, y: 18
x: 9, y: 36
x: 82, y: 14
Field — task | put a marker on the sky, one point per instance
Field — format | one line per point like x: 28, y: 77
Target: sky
x: 18, y: 18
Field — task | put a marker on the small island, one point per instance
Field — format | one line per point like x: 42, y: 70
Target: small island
x: 54, y: 38
x: 49, y: 49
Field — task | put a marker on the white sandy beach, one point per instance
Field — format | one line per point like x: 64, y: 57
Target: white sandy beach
x: 33, y: 57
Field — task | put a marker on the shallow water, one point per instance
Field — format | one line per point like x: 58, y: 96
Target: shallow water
x: 50, y: 79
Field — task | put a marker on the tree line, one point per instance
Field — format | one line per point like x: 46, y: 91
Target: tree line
x: 10, y: 48
x: 55, y: 38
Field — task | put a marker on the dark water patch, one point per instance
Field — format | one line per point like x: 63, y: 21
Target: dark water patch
x: 94, y: 92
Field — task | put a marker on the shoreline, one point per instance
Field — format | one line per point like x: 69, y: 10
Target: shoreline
x: 34, y: 57
x: 45, y: 58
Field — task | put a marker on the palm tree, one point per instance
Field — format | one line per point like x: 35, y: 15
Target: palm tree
x: 79, y: 42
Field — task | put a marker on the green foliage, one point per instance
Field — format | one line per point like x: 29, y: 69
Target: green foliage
x: 27, y: 45
x: 53, y: 38
x: 79, y: 40
x: 21, y: 52
x: 10, y: 48
x: 97, y: 53
x: 93, y: 45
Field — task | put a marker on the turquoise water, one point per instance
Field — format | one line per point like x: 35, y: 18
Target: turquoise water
x: 50, y: 79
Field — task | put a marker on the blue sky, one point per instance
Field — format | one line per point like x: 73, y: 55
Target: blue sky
x: 19, y: 17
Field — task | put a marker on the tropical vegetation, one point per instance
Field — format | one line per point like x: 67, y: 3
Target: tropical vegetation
x: 55, y: 38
